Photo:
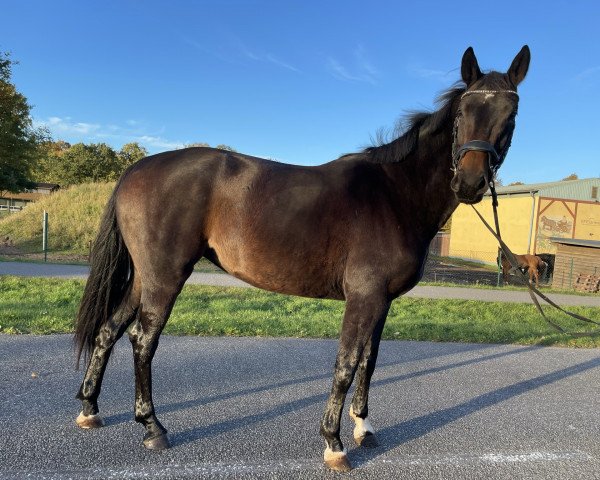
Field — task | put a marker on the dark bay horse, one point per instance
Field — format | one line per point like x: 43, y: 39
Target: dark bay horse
x: 355, y: 229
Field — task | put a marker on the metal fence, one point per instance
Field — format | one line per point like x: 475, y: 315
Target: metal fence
x: 476, y: 267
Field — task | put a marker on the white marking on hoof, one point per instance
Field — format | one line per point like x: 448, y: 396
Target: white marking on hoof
x: 361, y: 428
x: 89, y: 421
x: 337, y: 461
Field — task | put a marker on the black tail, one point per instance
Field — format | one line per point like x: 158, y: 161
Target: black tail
x: 109, y: 280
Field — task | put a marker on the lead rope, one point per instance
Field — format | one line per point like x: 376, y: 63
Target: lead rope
x: 532, y: 290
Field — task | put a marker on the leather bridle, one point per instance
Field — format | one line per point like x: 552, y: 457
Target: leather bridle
x: 495, y: 159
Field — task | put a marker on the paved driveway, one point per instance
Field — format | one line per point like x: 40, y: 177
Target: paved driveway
x: 250, y: 408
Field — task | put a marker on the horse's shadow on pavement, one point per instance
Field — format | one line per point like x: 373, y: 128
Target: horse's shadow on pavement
x: 395, y: 435
x: 198, y: 402
x: 414, y: 427
x: 389, y: 437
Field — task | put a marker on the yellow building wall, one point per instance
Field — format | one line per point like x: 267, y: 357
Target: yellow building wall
x: 470, y: 239
x: 587, y: 223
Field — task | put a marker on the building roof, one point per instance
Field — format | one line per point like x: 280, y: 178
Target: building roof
x: 577, y: 242
x: 52, y: 186
x: 580, y: 189
x: 39, y: 190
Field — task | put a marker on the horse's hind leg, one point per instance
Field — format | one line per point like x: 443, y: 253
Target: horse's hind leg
x: 361, y: 317
x: 359, y: 409
x: 106, y: 338
x: 156, y: 305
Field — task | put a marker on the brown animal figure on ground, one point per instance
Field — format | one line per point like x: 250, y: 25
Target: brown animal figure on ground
x: 532, y: 264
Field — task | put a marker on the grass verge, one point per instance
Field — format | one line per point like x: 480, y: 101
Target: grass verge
x: 44, y: 306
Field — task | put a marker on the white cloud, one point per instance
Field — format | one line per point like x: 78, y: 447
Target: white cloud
x: 280, y: 63
x: 587, y: 74
x: 158, y: 142
x: 422, y: 72
x: 229, y: 51
x: 266, y: 57
x: 65, y: 125
x: 67, y: 129
x: 361, y: 71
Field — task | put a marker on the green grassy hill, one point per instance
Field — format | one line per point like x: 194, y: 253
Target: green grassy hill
x: 73, y: 219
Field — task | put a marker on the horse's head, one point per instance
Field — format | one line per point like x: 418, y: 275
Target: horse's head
x: 484, y: 124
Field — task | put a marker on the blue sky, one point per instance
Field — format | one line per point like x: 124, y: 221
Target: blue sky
x: 302, y: 82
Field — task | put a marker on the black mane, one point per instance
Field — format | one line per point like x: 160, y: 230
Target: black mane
x: 416, y: 123
x: 431, y: 122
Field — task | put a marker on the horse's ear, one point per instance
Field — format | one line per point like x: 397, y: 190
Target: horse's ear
x: 469, y: 69
x: 519, y: 66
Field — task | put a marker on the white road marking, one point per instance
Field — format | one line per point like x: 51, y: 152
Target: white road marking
x: 209, y: 470
x: 486, y: 458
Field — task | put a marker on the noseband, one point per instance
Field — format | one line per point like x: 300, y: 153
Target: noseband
x: 495, y: 159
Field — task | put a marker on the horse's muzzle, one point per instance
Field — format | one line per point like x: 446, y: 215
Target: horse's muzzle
x: 471, y: 177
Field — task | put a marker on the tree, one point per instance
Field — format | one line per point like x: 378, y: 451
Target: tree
x: 515, y: 183
x: 203, y: 144
x: 573, y: 176
x: 225, y: 147
x: 66, y: 164
x: 18, y: 139
x: 49, y: 165
x: 131, y: 153
x: 95, y: 162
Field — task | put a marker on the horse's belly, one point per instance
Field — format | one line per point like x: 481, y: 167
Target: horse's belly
x: 288, y: 273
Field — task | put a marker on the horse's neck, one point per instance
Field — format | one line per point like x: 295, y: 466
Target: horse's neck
x: 423, y: 181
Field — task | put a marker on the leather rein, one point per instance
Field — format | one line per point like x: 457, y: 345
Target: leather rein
x: 533, y: 291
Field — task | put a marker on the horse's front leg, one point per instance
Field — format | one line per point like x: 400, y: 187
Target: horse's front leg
x: 536, y: 276
x: 364, y: 434
x: 363, y: 313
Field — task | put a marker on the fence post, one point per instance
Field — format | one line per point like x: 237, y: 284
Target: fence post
x: 571, y: 276
x: 45, y: 235
x: 499, y: 267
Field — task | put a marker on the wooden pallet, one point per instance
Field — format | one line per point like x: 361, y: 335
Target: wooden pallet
x: 587, y: 283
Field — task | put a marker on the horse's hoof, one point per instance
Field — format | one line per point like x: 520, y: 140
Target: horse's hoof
x: 368, y: 440
x: 159, y: 442
x: 336, y: 461
x: 89, y: 421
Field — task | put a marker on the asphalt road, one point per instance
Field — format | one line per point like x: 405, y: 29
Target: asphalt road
x: 221, y: 279
x: 250, y: 408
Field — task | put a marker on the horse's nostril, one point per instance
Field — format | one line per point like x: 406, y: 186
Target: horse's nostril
x: 454, y: 184
x: 482, y: 183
